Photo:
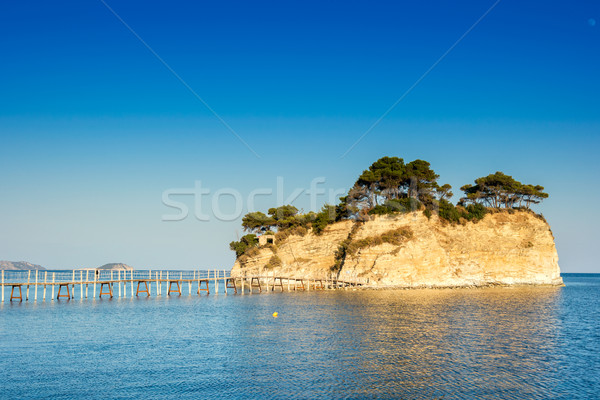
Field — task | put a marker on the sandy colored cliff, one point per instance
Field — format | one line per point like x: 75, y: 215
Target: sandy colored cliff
x: 410, y: 250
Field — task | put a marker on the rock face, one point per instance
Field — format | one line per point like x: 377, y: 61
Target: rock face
x: 19, y: 265
x: 501, y: 249
x: 116, y: 267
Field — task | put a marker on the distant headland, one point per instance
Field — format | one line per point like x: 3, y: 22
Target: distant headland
x: 19, y: 265
x: 396, y: 227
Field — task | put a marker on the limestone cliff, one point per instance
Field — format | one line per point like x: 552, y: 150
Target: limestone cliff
x: 410, y: 250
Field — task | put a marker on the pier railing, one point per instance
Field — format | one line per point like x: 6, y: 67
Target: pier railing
x: 85, y: 283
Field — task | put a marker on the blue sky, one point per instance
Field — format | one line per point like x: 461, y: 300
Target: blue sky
x: 94, y: 128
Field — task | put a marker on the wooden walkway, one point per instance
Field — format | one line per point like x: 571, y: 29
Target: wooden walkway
x: 34, y: 285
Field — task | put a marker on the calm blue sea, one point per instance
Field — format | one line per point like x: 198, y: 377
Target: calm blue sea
x: 509, y: 343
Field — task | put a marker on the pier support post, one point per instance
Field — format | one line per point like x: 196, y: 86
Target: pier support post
x: 147, y: 290
x: 87, y: 279
x: 45, y: 282
x: 178, y: 290
x: 206, y: 289
x: 257, y: 284
x: 53, y: 280
x: 3, y: 286
x: 27, y: 291
x: 68, y: 295
x: 216, y: 281
x: 230, y: 284
x: 95, y: 283
x: 12, y: 291
x: 36, y: 286
x: 110, y: 292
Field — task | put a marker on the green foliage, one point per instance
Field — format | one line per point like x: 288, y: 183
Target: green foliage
x: 444, y: 192
x: 245, y: 243
x: 283, y: 212
x: 420, y: 178
x: 257, y: 222
x: 394, y: 236
x: 326, y: 216
x: 427, y: 213
x: 476, y: 212
x: 390, y: 179
x: 501, y: 190
x: 449, y: 212
x: 405, y: 205
x: 274, y: 262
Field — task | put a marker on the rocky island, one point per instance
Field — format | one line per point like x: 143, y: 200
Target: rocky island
x: 19, y: 265
x: 397, y: 228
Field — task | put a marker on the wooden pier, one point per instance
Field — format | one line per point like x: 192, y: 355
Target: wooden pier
x: 102, y: 284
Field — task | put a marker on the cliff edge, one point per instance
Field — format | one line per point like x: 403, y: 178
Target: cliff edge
x: 411, y: 250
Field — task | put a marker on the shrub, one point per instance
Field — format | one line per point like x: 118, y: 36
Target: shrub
x: 326, y: 216
x: 476, y: 212
x: 448, y: 211
x: 397, y: 236
x: 274, y: 262
x: 244, y: 244
x: 396, y: 206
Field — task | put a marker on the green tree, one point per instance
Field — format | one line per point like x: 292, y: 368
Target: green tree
x: 246, y: 242
x: 500, y: 190
x: 391, y: 173
x: 420, y: 179
x: 257, y: 222
x: 444, y: 192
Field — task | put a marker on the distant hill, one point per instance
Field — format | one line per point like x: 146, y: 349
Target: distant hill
x: 19, y: 265
x: 116, y: 267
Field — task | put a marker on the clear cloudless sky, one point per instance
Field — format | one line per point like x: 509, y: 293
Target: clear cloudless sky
x: 94, y: 128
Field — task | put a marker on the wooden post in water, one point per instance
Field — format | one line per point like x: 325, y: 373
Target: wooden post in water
x: 157, y: 290
x: 119, y: 281
x: 87, y: 279
x: 27, y: 291
x: 243, y: 280
x: 73, y: 286
x: 216, y: 282
x: 53, y: 279
x: 288, y: 279
x: 159, y: 281
x: 95, y: 280
x: 45, y: 281
x: 36, y: 286
x: 131, y: 287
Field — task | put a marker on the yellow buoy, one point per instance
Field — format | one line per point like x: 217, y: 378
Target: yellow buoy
x: 275, y: 314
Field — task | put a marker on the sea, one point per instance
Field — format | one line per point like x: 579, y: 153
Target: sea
x: 488, y: 343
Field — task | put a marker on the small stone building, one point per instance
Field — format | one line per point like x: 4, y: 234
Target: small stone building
x: 266, y: 239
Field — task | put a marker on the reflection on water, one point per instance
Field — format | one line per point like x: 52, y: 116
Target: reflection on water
x: 463, y: 343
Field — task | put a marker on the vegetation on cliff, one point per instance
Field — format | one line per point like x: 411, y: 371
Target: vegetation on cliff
x: 392, y: 186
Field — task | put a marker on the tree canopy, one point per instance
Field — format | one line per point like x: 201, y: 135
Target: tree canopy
x: 391, y: 186
x: 389, y: 178
x: 500, y: 190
